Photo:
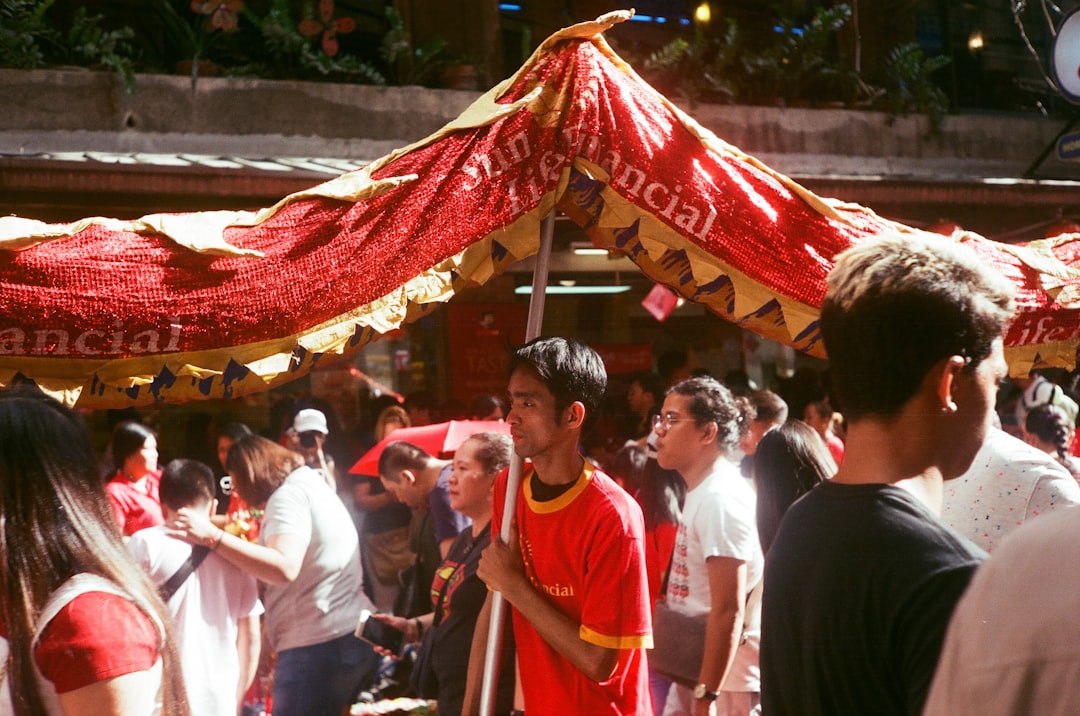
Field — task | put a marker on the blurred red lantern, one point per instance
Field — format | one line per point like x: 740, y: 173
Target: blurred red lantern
x: 945, y: 227
x: 1062, y: 226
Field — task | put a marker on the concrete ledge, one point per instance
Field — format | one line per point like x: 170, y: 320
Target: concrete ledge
x: 166, y: 105
x: 24, y: 143
x: 57, y: 100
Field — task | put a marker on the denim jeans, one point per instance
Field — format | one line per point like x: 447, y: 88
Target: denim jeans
x: 322, y: 679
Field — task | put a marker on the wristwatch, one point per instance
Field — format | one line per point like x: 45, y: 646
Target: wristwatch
x: 701, y: 691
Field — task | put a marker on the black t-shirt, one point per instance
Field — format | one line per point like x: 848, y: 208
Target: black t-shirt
x: 464, y: 595
x: 860, y: 583
x: 223, y: 493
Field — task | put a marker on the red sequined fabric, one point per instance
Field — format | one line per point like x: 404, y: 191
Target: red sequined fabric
x: 122, y: 318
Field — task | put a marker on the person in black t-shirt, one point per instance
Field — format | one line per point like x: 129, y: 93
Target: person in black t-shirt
x: 457, y: 594
x: 863, y: 576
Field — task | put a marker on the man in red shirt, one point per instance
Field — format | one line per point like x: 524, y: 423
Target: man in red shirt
x: 574, y: 571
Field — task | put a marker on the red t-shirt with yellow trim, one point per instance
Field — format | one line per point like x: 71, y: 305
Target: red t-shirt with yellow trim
x: 585, y: 551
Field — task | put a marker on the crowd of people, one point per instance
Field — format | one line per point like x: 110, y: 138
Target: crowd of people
x: 728, y: 559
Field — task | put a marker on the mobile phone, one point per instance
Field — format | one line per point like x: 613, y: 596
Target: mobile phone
x: 379, y: 633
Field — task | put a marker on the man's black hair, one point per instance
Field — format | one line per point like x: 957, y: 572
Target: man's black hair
x: 568, y: 368
x: 186, y: 483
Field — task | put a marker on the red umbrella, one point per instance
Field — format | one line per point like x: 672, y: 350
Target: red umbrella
x: 438, y: 439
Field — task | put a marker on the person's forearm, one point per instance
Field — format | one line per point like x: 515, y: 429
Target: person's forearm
x: 562, y: 633
x: 368, y: 502
x: 248, y: 644
x: 265, y: 564
x: 723, y: 632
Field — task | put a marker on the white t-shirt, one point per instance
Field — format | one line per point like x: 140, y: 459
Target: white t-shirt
x: 719, y: 520
x: 326, y: 598
x: 1008, y: 483
x: 206, y: 610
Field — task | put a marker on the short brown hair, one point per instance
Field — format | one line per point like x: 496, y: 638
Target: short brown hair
x: 896, y: 305
x: 260, y: 466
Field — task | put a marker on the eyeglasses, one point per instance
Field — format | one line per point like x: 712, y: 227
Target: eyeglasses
x: 663, y: 423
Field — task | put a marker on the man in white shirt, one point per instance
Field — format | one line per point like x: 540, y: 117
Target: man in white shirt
x: 215, y: 609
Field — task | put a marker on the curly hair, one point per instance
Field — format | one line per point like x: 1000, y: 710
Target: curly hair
x: 1051, y: 425
x: 711, y: 401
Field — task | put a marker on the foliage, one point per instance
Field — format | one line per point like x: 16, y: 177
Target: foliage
x: 909, y: 85
x: 796, y: 62
x: 705, y: 69
x: 411, y: 65
x: 800, y: 62
x: 287, y: 53
x: 87, y: 42
x: 23, y: 29
x: 29, y: 40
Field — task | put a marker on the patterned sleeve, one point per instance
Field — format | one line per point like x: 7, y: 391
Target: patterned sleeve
x: 96, y: 637
x: 1054, y: 489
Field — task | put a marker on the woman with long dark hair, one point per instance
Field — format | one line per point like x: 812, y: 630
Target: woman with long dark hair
x: 789, y: 461
x: 308, y: 555
x: 661, y: 495
x: 86, y: 630
x: 133, y: 490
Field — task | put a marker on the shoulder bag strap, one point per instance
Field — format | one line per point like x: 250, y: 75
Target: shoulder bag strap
x: 667, y: 572
x: 198, y: 554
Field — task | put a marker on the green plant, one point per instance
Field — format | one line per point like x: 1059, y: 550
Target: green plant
x: 800, y: 61
x: 909, y: 85
x: 87, y: 42
x: 412, y: 65
x: 286, y: 52
x: 704, y: 69
x: 23, y: 30
x: 29, y: 40
x: 192, y: 36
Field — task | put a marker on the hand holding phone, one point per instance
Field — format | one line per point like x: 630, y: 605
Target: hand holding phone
x: 379, y: 633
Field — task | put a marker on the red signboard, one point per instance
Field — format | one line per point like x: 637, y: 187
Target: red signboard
x: 482, y: 335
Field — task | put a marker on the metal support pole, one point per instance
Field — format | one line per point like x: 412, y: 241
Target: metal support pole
x: 533, y: 326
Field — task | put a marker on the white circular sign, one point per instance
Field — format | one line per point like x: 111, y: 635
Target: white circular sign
x: 1065, y: 56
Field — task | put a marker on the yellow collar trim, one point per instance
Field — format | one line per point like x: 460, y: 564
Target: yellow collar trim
x: 562, y: 500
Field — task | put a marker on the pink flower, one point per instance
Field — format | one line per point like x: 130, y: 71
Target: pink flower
x: 223, y: 15
x: 329, y: 27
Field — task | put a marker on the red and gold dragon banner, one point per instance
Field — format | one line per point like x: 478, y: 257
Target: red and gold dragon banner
x: 221, y: 304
